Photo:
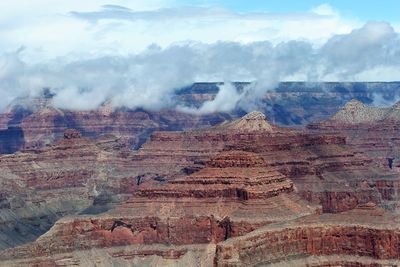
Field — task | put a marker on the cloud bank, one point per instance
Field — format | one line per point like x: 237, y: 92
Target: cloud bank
x: 137, y: 56
x: 50, y: 29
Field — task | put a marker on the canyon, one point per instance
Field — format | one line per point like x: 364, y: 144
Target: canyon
x: 373, y: 130
x: 34, y: 122
x: 243, y: 192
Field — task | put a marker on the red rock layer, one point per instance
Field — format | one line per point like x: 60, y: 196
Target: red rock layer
x: 85, y: 233
x: 232, y: 175
x: 47, y: 124
x: 372, y: 130
x: 323, y: 167
x: 231, y: 196
x: 201, y: 187
x: 233, y: 184
x: 361, y: 233
x: 38, y: 187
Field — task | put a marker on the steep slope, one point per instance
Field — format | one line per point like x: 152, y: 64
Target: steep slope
x: 41, y: 186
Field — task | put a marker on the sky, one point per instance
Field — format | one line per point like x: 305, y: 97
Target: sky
x: 137, y: 53
x: 49, y: 29
x: 362, y: 9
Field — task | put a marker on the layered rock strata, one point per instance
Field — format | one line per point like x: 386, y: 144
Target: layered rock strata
x: 41, y: 186
x: 361, y: 237
x: 324, y: 168
x: 373, y: 130
x: 233, y: 195
x: 35, y: 122
x: 183, y: 193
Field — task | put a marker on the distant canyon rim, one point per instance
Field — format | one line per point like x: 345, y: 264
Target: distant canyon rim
x: 311, y: 179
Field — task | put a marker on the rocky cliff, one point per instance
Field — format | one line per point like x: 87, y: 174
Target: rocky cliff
x: 30, y: 123
x: 323, y: 167
x: 372, y: 130
x: 361, y: 237
x: 232, y: 194
x: 242, y: 193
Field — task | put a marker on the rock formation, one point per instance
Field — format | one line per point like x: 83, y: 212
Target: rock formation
x: 41, y: 186
x: 32, y: 123
x: 223, y: 200
x: 323, y: 167
x: 356, y: 112
x: 239, y: 194
x: 373, y: 130
x: 354, y: 238
x: 253, y: 121
x: 30, y: 129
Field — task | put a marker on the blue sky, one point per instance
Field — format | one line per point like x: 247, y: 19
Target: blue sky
x: 75, y: 26
x: 363, y: 9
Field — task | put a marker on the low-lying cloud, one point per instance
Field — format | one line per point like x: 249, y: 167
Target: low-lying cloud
x: 150, y: 78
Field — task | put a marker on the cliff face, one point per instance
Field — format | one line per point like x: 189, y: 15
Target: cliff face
x: 355, y: 238
x: 34, y: 123
x: 300, y: 103
x: 41, y: 186
x: 361, y: 237
x: 241, y: 193
x: 323, y: 167
x: 48, y: 124
x: 232, y: 194
x: 372, y: 130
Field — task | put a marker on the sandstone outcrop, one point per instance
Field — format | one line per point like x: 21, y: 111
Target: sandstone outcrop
x: 253, y: 121
x: 356, y: 112
x: 233, y: 184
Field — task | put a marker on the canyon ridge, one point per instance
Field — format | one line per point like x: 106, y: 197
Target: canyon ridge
x: 146, y: 188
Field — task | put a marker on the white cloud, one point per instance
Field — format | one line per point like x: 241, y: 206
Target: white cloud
x: 226, y: 100
x: 137, y: 54
x: 374, y: 45
x: 50, y: 29
x: 149, y: 79
x: 325, y: 9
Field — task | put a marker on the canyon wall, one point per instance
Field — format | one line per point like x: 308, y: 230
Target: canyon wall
x: 347, y: 234
x: 241, y: 193
x: 30, y: 123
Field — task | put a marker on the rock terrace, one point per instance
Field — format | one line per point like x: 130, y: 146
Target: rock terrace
x: 243, y: 193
